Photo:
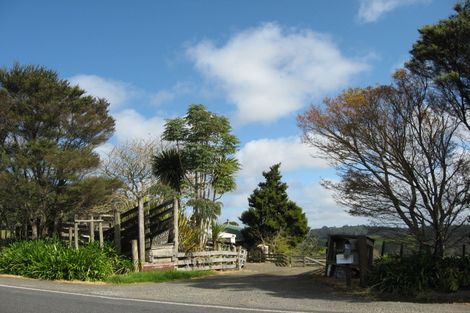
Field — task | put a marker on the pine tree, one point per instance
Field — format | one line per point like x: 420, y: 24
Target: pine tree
x: 271, y: 216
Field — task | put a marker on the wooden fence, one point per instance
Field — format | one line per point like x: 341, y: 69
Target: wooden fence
x: 401, y: 249
x: 158, y: 219
x: 282, y: 259
x: 211, y: 260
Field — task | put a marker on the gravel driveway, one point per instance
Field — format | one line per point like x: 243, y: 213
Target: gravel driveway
x: 262, y: 286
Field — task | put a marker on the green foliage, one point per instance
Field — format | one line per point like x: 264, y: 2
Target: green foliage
x: 48, y: 130
x: 411, y: 275
x: 216, y: 230
x: 200, y: 164
x: 54, y: 260
x: 189, y: 234
x: 168, y: 168
x: 309, y: 246
x: 156, y: 276
x: 272, y: 218
x: 442, y: 53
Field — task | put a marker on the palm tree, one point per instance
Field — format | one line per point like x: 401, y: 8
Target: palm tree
x: 168, y: 168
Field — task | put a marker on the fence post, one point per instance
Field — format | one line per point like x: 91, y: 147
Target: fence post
x: 239, y: 257
x: 92, y: 229
x: 463, y: 250
x: 382, y: 252
x: 75, y: 235
x: 175, y: 228
x: 135, y: 255
x: 70, y: 236
x: 100, y: 233
x: 348, y: 275
x: 117, y: 230
x: 401, y: 250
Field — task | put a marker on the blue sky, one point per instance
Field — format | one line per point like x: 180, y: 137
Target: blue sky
x: 258, y: 62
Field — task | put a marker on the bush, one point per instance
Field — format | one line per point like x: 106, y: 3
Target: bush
x: 51, y: 259
x: 413, y: 274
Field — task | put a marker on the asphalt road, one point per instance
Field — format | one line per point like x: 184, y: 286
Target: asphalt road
x: 15, y: 299
x: 258, y: 288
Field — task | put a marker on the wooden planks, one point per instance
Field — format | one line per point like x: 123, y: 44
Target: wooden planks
x: 211, y: 260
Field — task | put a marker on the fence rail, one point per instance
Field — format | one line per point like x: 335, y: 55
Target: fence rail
x: 282, y: 259
x: 211, y: 260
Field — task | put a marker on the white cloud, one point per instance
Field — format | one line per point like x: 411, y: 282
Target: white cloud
x: 317, y: 202
x: 372, y: 10
x: 179, y: 89
x: 132, y: 125
x: 321, y: 208
x: 258, y: 155
x: 269, y: 72
x: 104, y: 150
x: 116, y: 92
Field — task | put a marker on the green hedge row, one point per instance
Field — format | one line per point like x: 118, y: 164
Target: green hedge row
x: 52, y: 259
x: 411, y: 275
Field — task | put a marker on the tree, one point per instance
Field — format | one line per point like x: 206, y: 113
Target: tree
x: 131, y: 163
x: 48, y: 133
x: 398, y: 156
x: 442, y: 54
x: 199, y: 165
x: 271, y: 215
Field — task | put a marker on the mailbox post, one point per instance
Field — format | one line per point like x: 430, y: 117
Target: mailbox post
x: 347, y: 254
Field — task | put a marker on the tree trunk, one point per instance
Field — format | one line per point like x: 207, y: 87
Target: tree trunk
x: 438, y: 246
x: 141, y: 232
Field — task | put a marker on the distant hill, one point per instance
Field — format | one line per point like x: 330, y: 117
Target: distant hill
x: 393, y: 236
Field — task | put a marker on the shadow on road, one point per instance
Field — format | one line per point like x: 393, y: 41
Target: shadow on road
x: 279, y: 282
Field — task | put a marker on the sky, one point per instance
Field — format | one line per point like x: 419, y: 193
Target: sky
x: 258, y: 62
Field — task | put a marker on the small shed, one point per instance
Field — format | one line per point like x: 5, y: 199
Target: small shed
x: 235, y: 230
x: 347, y: 254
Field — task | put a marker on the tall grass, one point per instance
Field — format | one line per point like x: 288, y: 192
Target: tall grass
x: 51, y: 259
x: 156, y: 277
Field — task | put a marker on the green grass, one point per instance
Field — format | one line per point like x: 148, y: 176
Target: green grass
x: 155, y: 277
x: 52, y: 259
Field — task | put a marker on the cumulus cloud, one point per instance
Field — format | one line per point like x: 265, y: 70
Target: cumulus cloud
x: 321, y: 208
x: 257, y: 156
x: 116, y: 92
x: 372, y: 10
x: 132, y: 125
x: 318, y: 204
x: 269, y: 72
x: 167, y: 95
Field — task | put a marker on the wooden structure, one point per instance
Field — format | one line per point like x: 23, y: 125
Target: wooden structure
x: 161, y: 240
x: 212, y: 260
x: 282, y: 259
x: 347, y: 254
x: 160, y: 224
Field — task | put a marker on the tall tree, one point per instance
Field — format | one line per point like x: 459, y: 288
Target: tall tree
x: 131, y: 163
x: 200, y: 164
x: 398, y: 155
x: 442, y: 54
x: 271, y: 214
x: 48, y: 132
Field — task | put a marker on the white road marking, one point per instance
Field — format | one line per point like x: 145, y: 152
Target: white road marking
x: 212, y: 306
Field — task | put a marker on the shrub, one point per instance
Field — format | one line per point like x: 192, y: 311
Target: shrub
x: 51, y: 259
x: 413, y: 274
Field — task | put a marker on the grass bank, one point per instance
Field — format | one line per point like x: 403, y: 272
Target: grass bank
x: 155, y: 277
